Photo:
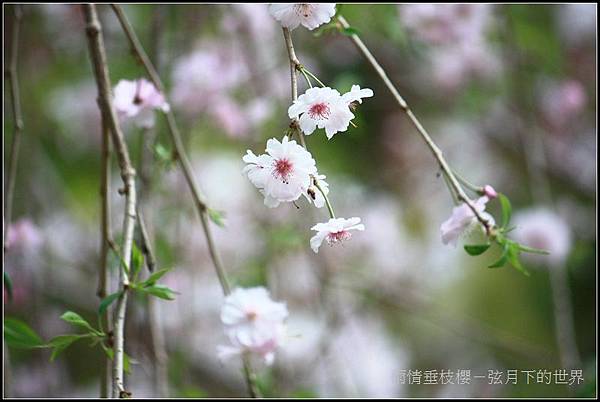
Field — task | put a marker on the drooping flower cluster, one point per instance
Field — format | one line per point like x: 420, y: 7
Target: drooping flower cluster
x: 309, y: 15
x: 254, y: 324
x: 464, y: 220
x: 326, y: 108
x: 138, y: 100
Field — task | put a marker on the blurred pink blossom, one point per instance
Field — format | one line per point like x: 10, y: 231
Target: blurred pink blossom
x: 561, y: 102
x: 544, y: 229
x: 25, y: 235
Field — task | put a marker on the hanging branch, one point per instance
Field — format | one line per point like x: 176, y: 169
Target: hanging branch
x: 435, y: 150
x: 98, y: 58
x: 105, y: 245
x: 13, y: 80
x: 186, y: 167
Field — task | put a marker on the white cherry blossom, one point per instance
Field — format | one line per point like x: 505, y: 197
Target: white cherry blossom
x: 310, y: 15
x: 326, y: 108
x: 253, y: 323
x: 138, y: 100
x: 336, y: 230
x: 283, y: 174
x: 462, y: 220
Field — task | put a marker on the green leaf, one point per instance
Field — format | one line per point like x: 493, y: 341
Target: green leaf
x: 60, y: 343
x: 349, y: 31
x: 152, y: 279
x: 8, y: 285
x: 107, y: 301
x: 506, y: 209
x: 533, y: 250
x: 162, y: 153
x: 18, y: 334
x: 513, y: 258
x: 75, y: 319
x: 476, y: 249
x: 218, y: 217
x: 161, y: 291
x: 503, y: 258
x: 137, y: 260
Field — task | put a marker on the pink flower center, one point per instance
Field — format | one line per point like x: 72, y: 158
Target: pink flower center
x: 338, y: 237
x: 319, y: 111
x: 283, y: 169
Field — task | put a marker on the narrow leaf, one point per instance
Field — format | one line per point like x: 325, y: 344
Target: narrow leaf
x: 160, y: 291
x: 476, y: 249
x: 533, y: 250
x: 18, y: 334
x: 60, y: 343
x: 8, y: 286
x: 152, y: 279
x: 77, y: 320
x: 506, y: 209
x: 503, y: 258
x: 513, y: 258
x: 107, y: 301
x: 217, y: 217
x: 137, y: 260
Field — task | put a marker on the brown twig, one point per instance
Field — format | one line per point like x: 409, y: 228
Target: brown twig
x: 100, y: 66
x: 105, y: 241
x: 186, y: 167
x: 13, y: 158
x: 435, y: 150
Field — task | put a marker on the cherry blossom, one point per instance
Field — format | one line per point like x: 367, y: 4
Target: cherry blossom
x: 283, y: 174
x: 253, y: 323
x: 462, y: 220
x: 326, y: 108
x: 334, y: 231
x: 138, y: 100
x: 310, y: 15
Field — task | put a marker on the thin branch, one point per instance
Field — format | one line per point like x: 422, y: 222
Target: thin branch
x: 435, y: 150
x: 184, y: 162
x: 295, y: 66
x: 105, y: 241
x: 13, y: 79
x: 185, y: 165
x: 100, y: 65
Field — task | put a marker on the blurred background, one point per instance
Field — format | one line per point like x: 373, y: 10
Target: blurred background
x: 508, y: 93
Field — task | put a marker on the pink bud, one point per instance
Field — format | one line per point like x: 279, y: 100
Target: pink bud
x: 490, y: 192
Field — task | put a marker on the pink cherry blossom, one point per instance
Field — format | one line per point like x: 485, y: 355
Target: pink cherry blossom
x: 334, y: 231
x: 253, y: 324
x: 310, y: 15
x: 462, y: 220
x: 283, y: 174
x: 138, y: 100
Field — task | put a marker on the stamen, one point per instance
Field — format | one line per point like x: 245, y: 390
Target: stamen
x: 319, y: 111
x: 303, y: 9
x: 338, y: 237
x: 282, y: 169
